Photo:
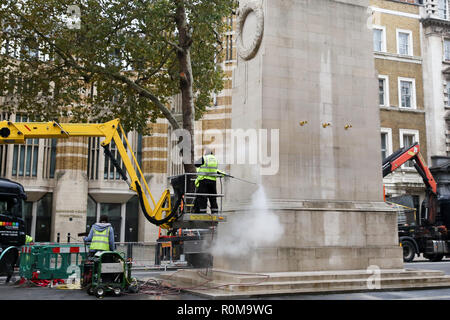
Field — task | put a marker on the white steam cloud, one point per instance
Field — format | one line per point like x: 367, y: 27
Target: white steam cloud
x: 258, y: 227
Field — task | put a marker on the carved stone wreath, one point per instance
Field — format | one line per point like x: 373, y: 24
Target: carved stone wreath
x: 248, y: 52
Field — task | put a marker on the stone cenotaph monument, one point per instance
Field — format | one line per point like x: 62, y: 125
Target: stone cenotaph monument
x: 306, y: 69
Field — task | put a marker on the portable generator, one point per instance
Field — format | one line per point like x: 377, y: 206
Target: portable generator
x: 107, y: 272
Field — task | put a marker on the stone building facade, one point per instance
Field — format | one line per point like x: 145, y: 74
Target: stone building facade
x: 70, y: 183
x: 398, y: 53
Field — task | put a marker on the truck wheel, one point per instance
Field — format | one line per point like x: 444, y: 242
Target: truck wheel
x: 408, y: 251
x: 8, y: 260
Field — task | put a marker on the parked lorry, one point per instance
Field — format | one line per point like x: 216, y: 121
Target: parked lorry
x: 12, y: 226
x: 425, y: 232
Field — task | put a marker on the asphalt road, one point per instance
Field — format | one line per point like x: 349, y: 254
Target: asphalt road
x: 15, y: 292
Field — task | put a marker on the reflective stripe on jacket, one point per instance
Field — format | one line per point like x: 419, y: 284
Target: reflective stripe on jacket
x: 209, y: 166
x: 100, y: 240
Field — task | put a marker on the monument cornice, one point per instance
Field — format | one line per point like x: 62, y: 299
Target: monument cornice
x: 434, y: 22
x: 315, y: 205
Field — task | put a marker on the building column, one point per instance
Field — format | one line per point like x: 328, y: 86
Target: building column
x: 434, y: 95
x: 71, y: 189
x: 123, y: 213
x: 33, y: 219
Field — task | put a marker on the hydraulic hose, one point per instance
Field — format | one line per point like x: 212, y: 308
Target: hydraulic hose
x: 148, y: 216
x: 140, y: 194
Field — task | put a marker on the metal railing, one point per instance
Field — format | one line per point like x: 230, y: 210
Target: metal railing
x: 189, y: 191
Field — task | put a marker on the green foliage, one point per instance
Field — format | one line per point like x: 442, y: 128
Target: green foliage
x: 50, y: 69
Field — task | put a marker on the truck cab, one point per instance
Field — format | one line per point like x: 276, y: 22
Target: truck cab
x: 12, y: 226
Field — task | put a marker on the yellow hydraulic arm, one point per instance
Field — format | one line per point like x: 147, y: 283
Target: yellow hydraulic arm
x: 17, y: 132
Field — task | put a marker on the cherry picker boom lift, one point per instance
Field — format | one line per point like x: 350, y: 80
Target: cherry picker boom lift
x: 429, y: 233
x: 164, y: 213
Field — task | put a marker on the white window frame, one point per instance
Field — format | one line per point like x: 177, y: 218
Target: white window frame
x: 413, y: 132
x: 388, y: 131
x: 444, y: 55
x: 447, y: 93
x: 386, y: 90
x: 410, y: 44
x: 383, y: 37
x: 413, y: 93
x: 446, y: 10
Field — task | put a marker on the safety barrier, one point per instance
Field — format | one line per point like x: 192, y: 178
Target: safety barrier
x: 142, y: 254
x: 45, y: 260
x: 51, y: 261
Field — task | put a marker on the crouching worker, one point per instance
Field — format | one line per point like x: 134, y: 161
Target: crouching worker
x: 101, y: 236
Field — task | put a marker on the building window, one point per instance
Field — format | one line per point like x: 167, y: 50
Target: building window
x: 447, y: 92
x: 447, y: 133
x: 447, y: 50
x: 404, y: 42
x: 383, y: 91
x: 49, y: 158
x: 229, y: 48
x: 91, y: 216
x: 44, y: 218
x: 407, y: 93
x: 229, y: 40
x: 10, y: 48
x: 443, y: 9
x: 175, y: 159
x: 110, y: 171
x: 137, y: 150
x: 25, y: 156
x: 407, y: 138
x: 379, y: 39
x: 132, y: 220
x: 93, y: 157
x: 386, y: 142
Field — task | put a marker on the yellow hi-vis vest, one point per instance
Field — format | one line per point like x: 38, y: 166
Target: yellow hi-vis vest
x: 28, y: 239
x: 209, y: 167
x: 100, y: 240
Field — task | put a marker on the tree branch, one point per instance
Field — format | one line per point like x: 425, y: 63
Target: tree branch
x: 116, y: 76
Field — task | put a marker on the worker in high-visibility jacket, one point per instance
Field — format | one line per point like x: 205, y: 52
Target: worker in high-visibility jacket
x: 207, y: 170
x: 28, y: 239
x: 101, y: 236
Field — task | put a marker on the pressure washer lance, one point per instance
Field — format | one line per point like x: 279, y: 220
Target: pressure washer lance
x: 230, y: 176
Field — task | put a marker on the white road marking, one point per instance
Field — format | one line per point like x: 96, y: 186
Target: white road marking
x: 428, y: 298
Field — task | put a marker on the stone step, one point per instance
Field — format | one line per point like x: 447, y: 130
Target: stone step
x: 355, y: 284
x: 309, y: 276
x: 229, y: 284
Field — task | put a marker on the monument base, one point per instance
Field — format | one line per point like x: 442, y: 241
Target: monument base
x: 314, y: 236
x: 221, y: 284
